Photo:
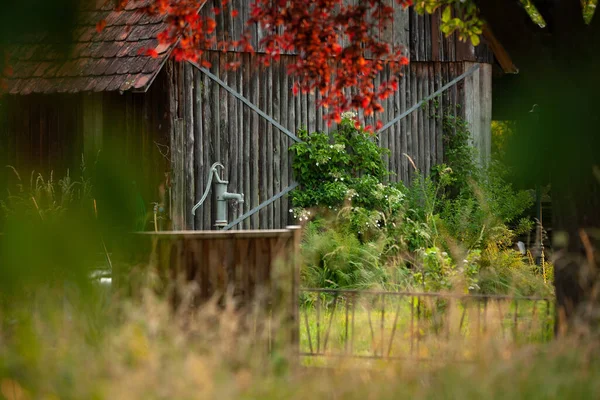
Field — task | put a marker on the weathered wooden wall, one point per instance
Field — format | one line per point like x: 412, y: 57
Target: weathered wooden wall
x: 40, y: 132
x: 212, y: 125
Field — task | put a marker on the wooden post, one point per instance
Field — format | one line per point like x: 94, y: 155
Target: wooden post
x: 295, y: 311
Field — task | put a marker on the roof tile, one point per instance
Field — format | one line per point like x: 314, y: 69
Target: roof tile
x: 110, y: 49
x: 42, y: 68
x: 15, y: 85
x: 153, y: 64
x: 88, y: 34
x: 128, y: 82
x: 134, y: 17
x: 114, y: 17
x: 24, y: 69
x: 142, y: 80
x: 114, y: 66
x: 100, y: 67
x: 116, y: 83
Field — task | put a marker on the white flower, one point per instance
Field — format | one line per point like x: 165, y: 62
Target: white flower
x: 348, y: 115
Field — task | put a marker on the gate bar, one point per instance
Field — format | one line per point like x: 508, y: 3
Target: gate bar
x: 430, y: 97
x: 246, y: 101
x: 261, y: 206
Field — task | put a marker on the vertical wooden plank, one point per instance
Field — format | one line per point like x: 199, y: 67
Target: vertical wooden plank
x: 393, y: 134
x: 207, y: 146
x: 401, y: 28
x: 248, y: 133
x: 255, y: 135
x: 293, y: 123
x: 404, y: 124
x: 238, y: 22
x: 241, y: 135
x: 92, y: 109
x: 431, y: 116
x: 421, y: 124
x: 460, y: 88
x: 427, y: 37
x: 43, y: 135
x: 224, y: 123
x: 312, y: 112
x: 439, y: 115
x: 199, y: 161
x: 189, y: 146
x: 233, y: 142
x: 264, y: 149
x: 421, y: 37
x: 241, y: 267
x: 413, y: 35
x: 387, y: 32
x: 277, y: 150
x: 285, y: 117
x: 425, y: 113
x: 176, y: 190
x: 436, y: 45
x: 271, y: 132
x: 445, y: 105
x: 304, y: 110
x: 486, y: 111
x: 413, y: 148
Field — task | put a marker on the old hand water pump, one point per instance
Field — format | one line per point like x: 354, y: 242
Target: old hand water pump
x: 223, y: 196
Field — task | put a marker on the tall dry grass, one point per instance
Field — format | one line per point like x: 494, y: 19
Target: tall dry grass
x: 138, y: 348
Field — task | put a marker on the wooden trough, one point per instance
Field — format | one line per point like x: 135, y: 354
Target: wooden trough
x: 253, y: 267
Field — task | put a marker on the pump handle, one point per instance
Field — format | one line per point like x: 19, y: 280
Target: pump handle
x: 213, y: 170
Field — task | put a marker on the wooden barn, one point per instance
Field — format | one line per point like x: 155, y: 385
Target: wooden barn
x: 182, y: 118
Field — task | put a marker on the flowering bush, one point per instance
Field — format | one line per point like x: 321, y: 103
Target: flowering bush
x: 344, y: 172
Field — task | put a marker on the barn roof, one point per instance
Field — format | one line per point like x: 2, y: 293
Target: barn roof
x: 106, y: 61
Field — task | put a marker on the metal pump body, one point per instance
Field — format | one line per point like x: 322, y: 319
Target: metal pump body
x: 223, y: 196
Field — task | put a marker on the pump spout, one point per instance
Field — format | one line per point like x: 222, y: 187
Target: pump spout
x: 233, y: 196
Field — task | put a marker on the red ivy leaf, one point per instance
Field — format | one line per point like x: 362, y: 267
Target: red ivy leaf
x: 100, y: 26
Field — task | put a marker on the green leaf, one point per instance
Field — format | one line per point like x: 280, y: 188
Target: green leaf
x: 447, y: 14
x: 475, y: 39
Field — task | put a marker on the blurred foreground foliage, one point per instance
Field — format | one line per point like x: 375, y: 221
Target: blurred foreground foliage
x: 60, y: 229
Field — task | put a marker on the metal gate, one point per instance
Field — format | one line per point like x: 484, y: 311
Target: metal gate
x: 420, y: 326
